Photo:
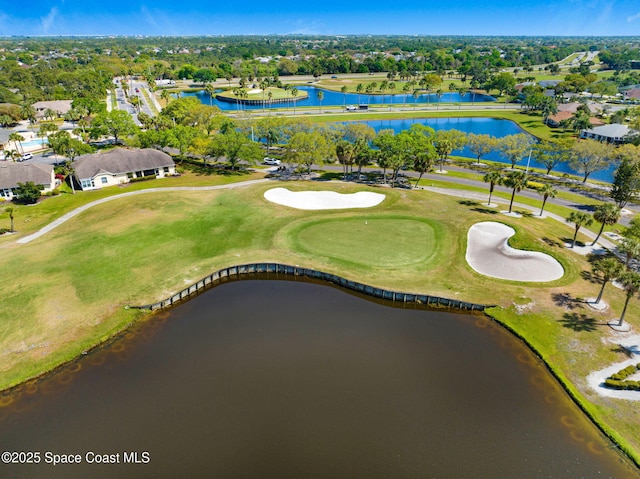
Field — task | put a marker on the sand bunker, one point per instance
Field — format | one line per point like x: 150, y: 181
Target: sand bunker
x: 323, y: 200
x: 489, y: 254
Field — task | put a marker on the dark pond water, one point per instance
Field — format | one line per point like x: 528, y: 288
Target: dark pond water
x: 332, y: 98
x: 282, y: 379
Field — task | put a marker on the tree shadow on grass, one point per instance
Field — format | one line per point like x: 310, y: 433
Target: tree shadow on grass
x: 487, y: 211
x: 565, y: 300
x: 552, y: 242
x: 589, y: 276
x: 628, y: 351
x: 579, y: 322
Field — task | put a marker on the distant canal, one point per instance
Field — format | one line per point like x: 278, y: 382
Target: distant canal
x: 283, y: 379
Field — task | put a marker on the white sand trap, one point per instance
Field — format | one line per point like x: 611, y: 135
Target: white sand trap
x: 489, y: 254
x: 323, y: 200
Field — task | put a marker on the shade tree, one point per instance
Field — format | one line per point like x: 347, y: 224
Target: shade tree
x: 514, y: 147
x: 626, y: 179
x: 589, y: 156
x: 481, y: 144
x: 552, y: 153
x: 446, y: 141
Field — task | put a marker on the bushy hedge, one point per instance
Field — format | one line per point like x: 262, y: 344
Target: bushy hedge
x: 618, y: 380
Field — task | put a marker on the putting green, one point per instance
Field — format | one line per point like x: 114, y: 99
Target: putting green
x: 369, y: 241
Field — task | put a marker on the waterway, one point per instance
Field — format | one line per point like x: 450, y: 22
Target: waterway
x: 496, y: 127
x: 284, y: 379
x: 489, y: 126
x: 333, y: 98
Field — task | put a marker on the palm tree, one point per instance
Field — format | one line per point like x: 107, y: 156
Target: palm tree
x: 607, y: 268
x: 579, y: 219
x: 516, y: 180
x: 493, y: 178
x: 630, y: 247
x: 17, y: 138
x: 10, y: 210
x: 12, y: 155
x: 630, y: 281
x: 547, y: 191
x: 165, y: 95
x: 359, y: 88
x: 344, y: 152
x: 416, y: 95
x: 210, y: 89
x: 294, y: 94
x: 606, y: 214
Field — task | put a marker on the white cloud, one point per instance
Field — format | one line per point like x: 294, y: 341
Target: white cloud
x: 633, y: 18
x: 49, y: 20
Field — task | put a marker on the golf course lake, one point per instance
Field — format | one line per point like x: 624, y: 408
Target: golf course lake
x: 290, y: 379
x: 334, y: 98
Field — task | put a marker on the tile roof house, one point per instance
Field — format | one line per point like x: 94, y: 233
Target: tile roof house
x: 614, y: 133
x: 12, y: 173
x: 121, y: 165
x: 554, y: 121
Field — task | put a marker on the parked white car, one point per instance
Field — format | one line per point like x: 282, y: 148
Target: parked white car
x: 271, y: 161
x: 25, y: 156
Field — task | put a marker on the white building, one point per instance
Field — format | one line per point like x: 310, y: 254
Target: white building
x: 121, y: 165
x: 614, y: 133
x: 12, y: 173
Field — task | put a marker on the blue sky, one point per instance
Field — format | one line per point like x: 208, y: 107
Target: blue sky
x: 326, y: 17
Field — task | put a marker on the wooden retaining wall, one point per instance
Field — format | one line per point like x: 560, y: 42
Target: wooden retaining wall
x: 275, y: 269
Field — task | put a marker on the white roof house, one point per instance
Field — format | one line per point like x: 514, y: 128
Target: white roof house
x: 614, y: 133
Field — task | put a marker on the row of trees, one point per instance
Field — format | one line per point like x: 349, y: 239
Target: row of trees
x: 620, y: 266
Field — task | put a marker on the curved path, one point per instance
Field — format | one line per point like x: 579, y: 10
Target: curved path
x: 54, y: 224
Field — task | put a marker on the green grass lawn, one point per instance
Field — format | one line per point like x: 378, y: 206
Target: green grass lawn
x: 68, y: 289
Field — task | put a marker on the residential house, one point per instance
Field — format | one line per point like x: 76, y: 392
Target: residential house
x: 555, y: 121
x: 121, y: 165
x: 61, y: 107
x: 633, y: 94
x: 614, y: 133
x: 12, y: 173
